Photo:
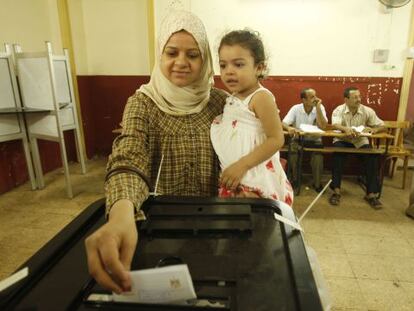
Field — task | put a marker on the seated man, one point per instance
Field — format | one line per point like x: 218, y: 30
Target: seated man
x: 346, y: 118
x: 310, y: 111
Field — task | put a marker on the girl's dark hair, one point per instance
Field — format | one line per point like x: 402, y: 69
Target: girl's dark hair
x: 249, y: 40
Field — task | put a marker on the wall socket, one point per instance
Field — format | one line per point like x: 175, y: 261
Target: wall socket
x: 380, y: 56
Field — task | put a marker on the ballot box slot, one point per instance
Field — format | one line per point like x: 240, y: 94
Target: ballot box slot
x: 175, y: 220
x: 196, y: 228
x: 199, y: 210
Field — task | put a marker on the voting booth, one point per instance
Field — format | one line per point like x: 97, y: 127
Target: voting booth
x: 46, y: 85
x: 239, y: 257
x: 12, y: 125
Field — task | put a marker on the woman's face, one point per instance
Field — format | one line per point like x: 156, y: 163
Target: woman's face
x: 181, y: 60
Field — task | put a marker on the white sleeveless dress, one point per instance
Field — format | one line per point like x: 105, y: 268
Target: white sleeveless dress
x: 236, y: 133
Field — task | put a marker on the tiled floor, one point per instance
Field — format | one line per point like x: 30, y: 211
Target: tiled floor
x: 366, y: 256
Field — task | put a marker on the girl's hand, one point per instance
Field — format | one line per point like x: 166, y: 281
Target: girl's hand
x: 232, y: 175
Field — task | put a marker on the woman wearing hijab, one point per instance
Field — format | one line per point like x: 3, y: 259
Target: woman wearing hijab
x: 165, y: 126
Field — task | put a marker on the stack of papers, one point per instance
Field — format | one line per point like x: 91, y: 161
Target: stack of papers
x: 359, y: 129
x: 171, y: 284
x: 308, y: 128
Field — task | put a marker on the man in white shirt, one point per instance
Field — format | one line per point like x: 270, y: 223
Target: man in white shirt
x: 345, y: 118
x: 312, y: 112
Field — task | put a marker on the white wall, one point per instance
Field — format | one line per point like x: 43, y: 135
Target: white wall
x: 311, y: 37
x: 303, y: 37
x: 30, y: 23
x: 110, y: 37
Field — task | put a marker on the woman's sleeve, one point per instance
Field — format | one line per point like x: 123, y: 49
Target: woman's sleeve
x: 128, y: 167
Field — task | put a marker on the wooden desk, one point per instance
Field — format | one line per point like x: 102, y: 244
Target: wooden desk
x: 382, y: 151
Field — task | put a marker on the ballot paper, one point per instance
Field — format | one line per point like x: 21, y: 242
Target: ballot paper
x: 358, y: 129
x: 308, y: 128
x: 169, y: 284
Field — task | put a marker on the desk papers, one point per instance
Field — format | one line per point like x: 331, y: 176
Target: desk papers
x: 308, y: 128
x: 358, y: 129
x: 159, y: 285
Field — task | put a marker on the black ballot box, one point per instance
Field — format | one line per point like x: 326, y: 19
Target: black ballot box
x: 239, y: 257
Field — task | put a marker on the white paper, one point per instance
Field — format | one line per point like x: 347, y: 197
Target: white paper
x: 14, y: 278
x: 359, y: 129
x: 308, y: 128
x: 159, y: 285
x: 287, y: 221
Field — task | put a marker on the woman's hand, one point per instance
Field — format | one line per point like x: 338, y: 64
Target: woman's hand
x: 232, y: 175
x: 110, y: 249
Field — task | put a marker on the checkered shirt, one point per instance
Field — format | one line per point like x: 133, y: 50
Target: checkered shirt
x: 190, y: 166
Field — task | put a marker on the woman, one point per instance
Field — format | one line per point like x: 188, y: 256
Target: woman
x: 166, y: 126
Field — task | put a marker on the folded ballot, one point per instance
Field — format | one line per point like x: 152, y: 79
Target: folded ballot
x: 171, y: 284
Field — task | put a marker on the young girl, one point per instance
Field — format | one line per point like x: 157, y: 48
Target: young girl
x: 248, y: 135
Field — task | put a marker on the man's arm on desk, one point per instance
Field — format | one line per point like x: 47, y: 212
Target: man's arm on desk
x: 375, y: 130
x: 347, y: 130
x: 293, y: 131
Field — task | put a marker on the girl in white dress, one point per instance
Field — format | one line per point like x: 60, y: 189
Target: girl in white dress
x: 248, y: 135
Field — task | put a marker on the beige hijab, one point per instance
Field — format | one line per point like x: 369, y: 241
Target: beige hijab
x: 168, y: 97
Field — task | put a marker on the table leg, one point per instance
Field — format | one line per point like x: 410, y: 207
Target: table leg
x: 383, y: 159
x: 299, y: 165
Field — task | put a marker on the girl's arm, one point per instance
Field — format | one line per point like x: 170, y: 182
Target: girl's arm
x: 263, y: 105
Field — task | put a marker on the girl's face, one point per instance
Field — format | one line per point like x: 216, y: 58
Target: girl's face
x: 181, y: 60
x: 238, y: 70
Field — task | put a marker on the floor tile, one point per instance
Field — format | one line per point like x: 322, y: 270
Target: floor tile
x: 318, y: 225
x: 367, y: 228
x: 385, y: 295
x: 371, y: 267
x: 371, y: 245
x: 335, y: 265
x: 324, y: 242
x: 346, y: 293
x: 409, y: 289
x: 402, y: 268
x: 406, y: 228
x: 34, y: 238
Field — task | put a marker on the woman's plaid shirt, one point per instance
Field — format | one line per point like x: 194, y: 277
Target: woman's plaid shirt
x: 190, y: 166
